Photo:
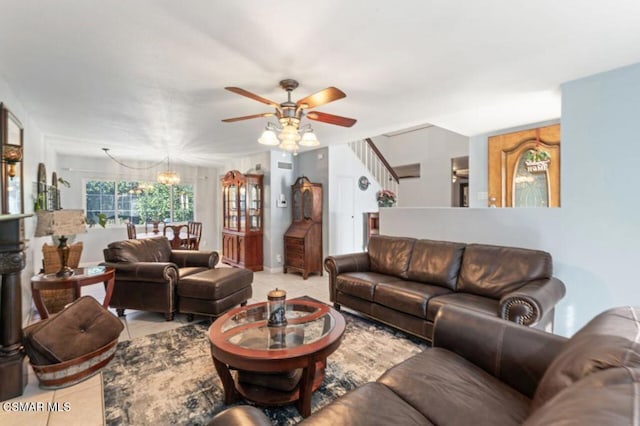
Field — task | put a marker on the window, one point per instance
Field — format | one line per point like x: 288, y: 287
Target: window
x: 137, y: 202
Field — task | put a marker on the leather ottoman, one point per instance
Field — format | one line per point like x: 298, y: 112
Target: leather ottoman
x: 73, y: 345
x: 214, y: 291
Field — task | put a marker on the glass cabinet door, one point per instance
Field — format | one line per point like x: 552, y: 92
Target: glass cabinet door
x: 254, y: 202
x: 307, y: 203
x: 243, y: 207
x: 297, y: 205
x: 232, y: 206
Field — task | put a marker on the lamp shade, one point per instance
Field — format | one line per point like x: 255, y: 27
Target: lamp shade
x: 268, y: 137
x: 60, y: 222
x: 309, y: 139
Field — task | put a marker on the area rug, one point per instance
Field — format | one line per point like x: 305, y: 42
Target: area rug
x: 168, y: 378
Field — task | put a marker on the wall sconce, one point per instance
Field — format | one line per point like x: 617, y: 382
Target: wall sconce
x: 11, y: 154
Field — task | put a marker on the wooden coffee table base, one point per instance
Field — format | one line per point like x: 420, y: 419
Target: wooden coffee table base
x: 312, y: 377
x: 242, y: 340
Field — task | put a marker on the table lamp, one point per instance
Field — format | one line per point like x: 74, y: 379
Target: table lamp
x: 62, y: 223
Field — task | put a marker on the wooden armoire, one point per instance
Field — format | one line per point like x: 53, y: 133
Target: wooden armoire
x: 242, y: 220
x: 303, y: 239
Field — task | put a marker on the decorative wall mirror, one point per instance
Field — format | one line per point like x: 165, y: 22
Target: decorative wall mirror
x: 11, y: 140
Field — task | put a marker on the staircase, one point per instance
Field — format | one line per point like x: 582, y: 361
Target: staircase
x: 375, y: 162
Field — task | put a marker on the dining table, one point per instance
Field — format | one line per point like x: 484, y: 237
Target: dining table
x: 179, y: 236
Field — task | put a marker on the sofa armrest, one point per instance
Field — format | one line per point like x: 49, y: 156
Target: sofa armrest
x: 160, y: 272
x: 336, y: 265
x: 529, y: 304
x: 513, y: 353
x: 184, y: 258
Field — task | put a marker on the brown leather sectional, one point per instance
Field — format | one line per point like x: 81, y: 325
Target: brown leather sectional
x: 403, y: 282
x: 151, y: 276
x: 485, y: 371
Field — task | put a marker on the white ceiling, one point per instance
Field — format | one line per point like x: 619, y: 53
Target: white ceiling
x: 148, y: 76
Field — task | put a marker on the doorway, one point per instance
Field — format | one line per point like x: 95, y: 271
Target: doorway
x: 344, y: 216
x: 524, y: 168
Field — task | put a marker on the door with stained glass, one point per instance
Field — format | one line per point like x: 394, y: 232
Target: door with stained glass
x: 524, y: 168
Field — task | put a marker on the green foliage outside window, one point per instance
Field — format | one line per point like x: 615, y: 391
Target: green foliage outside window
x: 137, y: 202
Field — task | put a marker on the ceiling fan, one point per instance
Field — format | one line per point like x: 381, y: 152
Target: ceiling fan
x: 290, y: 113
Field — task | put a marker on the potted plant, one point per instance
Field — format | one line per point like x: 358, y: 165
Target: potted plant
x: 386, y: 198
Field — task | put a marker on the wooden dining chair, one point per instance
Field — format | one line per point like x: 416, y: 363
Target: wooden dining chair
x: 195, y: 233
x: 131, y: 231
x: 178, y: 236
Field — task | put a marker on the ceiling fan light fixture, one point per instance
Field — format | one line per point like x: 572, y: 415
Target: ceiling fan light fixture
x: 309, y: 139
x: 289, y: 145
x: 289, y: 133
x: 268, y: 137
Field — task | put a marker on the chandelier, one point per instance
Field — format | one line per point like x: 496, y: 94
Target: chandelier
x: 290, y: 136
x: 167, y: 177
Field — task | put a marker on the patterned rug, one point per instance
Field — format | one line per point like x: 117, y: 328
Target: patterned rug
x: 168, y: 378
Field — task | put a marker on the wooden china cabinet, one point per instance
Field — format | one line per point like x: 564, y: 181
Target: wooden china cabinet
x: 303, y: 239
x: 242, y: 220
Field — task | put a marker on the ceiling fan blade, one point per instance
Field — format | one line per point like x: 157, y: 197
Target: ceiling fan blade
x: 331, y: 119
x: 247, y: 117
x: 250, y: 95
x: 322, y: 97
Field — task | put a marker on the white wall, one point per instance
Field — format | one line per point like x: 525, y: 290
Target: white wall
x: 280, y: 183
x: 593, y: 236
x: 433, y: 148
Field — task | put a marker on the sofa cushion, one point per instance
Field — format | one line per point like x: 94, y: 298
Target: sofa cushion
x: 465, y: 300
x: 494, y: 271
x: 156, y: 249
x: 436, y: 262
x: 361, y: 284
x: 609, y: 397
x: 409, y: 297
x: 390, y: 255
x: 449, y: 390
x: 370, y: 404
x: 82, y: 327
x: 609, y: 340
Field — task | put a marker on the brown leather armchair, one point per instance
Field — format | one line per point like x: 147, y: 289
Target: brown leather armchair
x: 148, y: 272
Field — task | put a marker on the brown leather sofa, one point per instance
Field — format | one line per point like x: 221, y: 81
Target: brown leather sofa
x: 483, y: 370
x: 403, y: 282
x: 149, y: 273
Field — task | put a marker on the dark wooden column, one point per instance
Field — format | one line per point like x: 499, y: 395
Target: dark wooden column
x: 13, y: 369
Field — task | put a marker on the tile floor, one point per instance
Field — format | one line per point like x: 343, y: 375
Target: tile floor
x: 84, y: 400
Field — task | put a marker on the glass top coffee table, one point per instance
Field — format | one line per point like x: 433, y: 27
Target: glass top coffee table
x: 276, y: 365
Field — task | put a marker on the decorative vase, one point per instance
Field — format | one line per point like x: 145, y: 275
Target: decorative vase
x: 385, y: 203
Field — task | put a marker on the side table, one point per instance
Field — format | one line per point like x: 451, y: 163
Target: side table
x: 81, y: 277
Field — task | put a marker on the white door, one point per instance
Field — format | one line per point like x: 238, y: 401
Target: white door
x: 344, y: 237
